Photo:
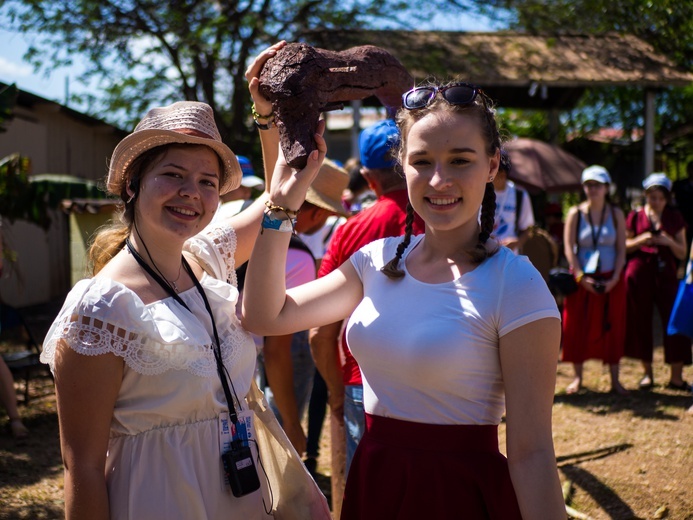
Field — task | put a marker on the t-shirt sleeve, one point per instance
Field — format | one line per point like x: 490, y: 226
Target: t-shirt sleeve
x: 630, y: 222
x: 373, y: 256
x: 524, y: 296
x: 332, y: 258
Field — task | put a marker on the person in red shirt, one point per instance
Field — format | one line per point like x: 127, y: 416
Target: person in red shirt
x: 385, y: 218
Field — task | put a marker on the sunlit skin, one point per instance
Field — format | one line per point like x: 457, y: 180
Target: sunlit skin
x: 595, y: 191
x: 447, y: 167
x: 655, y: 202
x: 179, y: 193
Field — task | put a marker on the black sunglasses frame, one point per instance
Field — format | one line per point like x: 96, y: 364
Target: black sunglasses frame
x: 443, y: 91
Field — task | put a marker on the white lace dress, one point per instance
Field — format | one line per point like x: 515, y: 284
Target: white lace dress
x: 163, y: 457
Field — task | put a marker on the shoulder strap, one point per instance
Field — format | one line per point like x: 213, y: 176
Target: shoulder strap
x: 577, y: 231
x: 519, y: 198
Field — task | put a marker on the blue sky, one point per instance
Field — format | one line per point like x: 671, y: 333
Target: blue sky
x: 13, y: 69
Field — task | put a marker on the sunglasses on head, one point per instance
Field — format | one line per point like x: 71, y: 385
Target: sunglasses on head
x: 455, y: 94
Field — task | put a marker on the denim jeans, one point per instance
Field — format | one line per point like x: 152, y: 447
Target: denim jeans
x: 304, y: 368
x: 354, y: 420
x: 317, y: 408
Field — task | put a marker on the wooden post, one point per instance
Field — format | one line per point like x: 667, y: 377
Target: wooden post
x: 338, y: 446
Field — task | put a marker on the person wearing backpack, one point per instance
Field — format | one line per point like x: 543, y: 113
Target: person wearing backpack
x: 514, y: 214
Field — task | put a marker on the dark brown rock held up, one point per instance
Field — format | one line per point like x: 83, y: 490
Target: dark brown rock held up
x: 302, y: 81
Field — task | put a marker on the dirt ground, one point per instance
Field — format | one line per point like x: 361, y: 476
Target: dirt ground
x: 624, y: 457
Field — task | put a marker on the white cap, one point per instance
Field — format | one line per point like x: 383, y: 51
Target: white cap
x: 657, y: 179
x: 596, y: 173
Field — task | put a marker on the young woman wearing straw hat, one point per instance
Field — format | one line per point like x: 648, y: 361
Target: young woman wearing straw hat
x: 151, y: 364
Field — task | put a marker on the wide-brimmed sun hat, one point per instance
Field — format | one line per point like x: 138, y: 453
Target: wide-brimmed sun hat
x: 184, y: 122
x: 326, y: 190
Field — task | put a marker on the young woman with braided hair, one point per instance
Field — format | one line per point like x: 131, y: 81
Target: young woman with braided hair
x: 450, y: 330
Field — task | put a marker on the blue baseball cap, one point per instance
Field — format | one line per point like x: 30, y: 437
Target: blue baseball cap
x: 249, y: 179
x: 376, y: 144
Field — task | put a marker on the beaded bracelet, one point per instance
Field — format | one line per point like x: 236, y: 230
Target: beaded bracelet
x: 290, y: 213
x: 256, y: 115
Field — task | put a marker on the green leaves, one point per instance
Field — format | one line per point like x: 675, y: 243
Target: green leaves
x: 8, y: 96
x: 30, y: 197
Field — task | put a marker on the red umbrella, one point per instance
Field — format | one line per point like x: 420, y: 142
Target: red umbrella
x: 540, y: 166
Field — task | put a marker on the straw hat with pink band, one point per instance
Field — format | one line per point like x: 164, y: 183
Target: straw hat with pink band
x: 184, y: 122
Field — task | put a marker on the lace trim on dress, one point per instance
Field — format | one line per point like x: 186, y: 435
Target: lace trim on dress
x: 224, y: 239
x: 92, y: 337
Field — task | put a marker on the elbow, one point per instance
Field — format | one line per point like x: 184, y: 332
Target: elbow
x: 251, y: 325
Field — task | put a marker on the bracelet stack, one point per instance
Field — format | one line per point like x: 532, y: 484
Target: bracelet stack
x: 256, y: 116
x: 278, y: 218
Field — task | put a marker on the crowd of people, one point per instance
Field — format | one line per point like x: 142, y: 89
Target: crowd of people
x: 393, y: 289
x: 625, y: 268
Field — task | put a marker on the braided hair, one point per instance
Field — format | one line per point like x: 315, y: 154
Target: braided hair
x: 391, y: 269
x: 482, y: 109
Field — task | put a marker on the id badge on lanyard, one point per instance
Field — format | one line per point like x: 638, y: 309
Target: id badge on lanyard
x: 592, y: 264
x: 234, y: 439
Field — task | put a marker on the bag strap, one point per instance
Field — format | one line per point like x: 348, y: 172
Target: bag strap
x: 519, y: 199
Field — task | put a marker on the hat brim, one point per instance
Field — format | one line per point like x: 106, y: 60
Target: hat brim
x: 252, y: 181
x: 325, y: 202
x: 139, y: 142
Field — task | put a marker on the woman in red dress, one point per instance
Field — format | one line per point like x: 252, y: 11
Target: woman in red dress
x: 656, y: 241
x: 595, y: 247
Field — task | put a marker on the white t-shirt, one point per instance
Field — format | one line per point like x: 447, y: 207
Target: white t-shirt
x: 506, y: 209
x: 429, y: 352
x: 318, y: 241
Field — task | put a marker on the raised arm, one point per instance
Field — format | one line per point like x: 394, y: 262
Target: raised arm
x: 267, y: 307
x: 246, y: 223
x: 528, y: 360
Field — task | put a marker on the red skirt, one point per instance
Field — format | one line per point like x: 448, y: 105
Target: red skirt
x: 594, y: 325
x: 410, y: 471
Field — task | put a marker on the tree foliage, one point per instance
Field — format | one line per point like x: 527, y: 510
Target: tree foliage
x: 666, y: 24
x: 8, y: 97
x: 147, y: 52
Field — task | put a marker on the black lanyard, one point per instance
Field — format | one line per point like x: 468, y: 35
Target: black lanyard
x: 216, y: 348
x: 595, y: 235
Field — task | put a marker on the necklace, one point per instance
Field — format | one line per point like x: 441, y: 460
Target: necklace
x: 174, y: 282
x: 138, y: 257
